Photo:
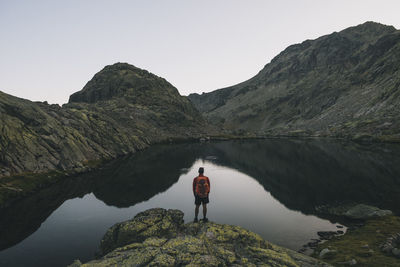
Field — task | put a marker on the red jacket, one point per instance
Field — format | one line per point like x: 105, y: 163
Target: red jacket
x: 195, y: 182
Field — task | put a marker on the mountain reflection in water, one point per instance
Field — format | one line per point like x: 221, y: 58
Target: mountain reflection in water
x: 299, y: 174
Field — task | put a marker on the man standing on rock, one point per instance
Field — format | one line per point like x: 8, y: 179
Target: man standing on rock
x: 201, y: 189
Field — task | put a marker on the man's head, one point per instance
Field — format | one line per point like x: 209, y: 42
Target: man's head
x: 201, y: 170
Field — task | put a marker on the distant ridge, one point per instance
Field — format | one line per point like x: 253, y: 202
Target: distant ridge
x: 345, y: 84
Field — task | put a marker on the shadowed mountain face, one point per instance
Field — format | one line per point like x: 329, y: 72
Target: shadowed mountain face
x: 342, y: 84
x: 121, y: 110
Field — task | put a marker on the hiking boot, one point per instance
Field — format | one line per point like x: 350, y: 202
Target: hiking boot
x: 195, y: 220
x: 205, y: 220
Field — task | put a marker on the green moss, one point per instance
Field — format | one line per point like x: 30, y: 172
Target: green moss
x: 163, y: 260
x: 155, y: 242
x: 189, y: 244
x: 184, y: 258
x: 225, y: 254
x: 205, y: 260
x: 353, y: 244
x: 273, y: 257
x: 130, y: 247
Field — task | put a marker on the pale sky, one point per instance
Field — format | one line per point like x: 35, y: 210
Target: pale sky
x: 51, y: 49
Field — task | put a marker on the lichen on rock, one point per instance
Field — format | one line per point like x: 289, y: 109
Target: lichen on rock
x: 146, y: 226
x: 159, y: 237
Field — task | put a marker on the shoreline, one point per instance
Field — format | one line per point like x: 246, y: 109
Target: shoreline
x: 364, y: 244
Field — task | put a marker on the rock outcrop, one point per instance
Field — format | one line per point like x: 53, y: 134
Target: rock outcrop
x: 345, y: 84
x: 158, y: 237
x: 354, y: 211
x: 122, y: 109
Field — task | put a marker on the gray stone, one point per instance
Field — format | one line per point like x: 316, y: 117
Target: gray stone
x: 362, y: 211
x: 353, y: 262
x: 396, y: 252
x: 350, y: 262
x: 326, y: 252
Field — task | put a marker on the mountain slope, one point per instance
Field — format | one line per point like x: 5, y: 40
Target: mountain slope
x: 122, y: 109
x: 342, y: 84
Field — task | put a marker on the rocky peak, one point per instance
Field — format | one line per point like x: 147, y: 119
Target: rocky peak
x: 368, y: 31
x: 335, y: 48
x: 121, y: 80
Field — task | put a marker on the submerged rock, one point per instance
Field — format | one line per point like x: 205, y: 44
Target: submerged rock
x: 158, y: 237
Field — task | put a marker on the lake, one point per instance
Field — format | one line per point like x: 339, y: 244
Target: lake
x: 271, y: 187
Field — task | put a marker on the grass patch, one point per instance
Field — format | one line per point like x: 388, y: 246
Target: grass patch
x: 352, y: 244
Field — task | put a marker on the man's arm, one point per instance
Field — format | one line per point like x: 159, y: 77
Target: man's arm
x: 194, y: 186
x: 209, y: 185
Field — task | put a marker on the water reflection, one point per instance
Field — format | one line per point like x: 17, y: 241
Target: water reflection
x: 142, y: 175
x: 304, y: 174
x: 121, y: 183
x: 271, y: 176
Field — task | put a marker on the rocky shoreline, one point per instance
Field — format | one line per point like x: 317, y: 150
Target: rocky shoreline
x: 371, y: 237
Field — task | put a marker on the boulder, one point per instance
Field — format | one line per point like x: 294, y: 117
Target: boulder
x: 362, y: 211
x: 151, y: 223
x: 354, y: 211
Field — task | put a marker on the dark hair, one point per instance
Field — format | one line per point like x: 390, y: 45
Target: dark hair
x: 201, y: 170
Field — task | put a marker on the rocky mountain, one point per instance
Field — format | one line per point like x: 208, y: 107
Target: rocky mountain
x: 121, y: 110
x: 345, y: 84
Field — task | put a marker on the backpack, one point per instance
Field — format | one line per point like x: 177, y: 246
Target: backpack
x: 202, y: 187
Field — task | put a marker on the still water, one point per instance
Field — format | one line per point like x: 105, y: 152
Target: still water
x: 271, y: 187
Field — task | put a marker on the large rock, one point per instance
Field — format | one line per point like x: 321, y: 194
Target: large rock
x: 158, y: 237
x: 148, y: 224
x: 362, y: 211
x: 354, y: 211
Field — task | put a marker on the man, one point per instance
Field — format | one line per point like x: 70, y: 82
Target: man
x: 201, y: 189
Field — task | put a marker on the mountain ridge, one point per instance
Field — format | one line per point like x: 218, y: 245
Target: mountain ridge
x: 313, y: 88
x: 105, y: 121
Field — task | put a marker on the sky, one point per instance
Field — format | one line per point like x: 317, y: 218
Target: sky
x: 50, y: 49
